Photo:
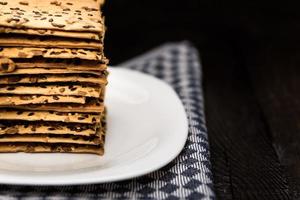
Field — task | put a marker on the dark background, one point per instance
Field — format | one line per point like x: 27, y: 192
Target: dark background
x: 135, y: 26
x: 250, y: 56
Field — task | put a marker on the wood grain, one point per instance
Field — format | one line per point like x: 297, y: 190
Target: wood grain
x: 276, y: 79
x: 244, y: 162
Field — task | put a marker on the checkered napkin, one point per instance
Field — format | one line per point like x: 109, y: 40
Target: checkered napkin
x: 189, y: 176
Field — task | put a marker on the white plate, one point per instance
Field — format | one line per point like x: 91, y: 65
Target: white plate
x: 147, y: 128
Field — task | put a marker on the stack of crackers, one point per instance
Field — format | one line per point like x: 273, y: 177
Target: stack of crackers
x: 53, y: 75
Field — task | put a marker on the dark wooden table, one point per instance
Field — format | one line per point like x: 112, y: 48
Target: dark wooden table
x: 251, y: 63
x: 252, y: 110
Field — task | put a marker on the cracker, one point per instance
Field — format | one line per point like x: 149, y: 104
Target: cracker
x: 88, y: 107
x: 72, y: 90
x: 30, y: 41
x: 47, y: 78
x: 50, y: 148
x: 58, y: 62
x: 50, y: 71
x: 48, y: 138
x: 47, y: 128
x: 28, y: 52
x: 84, y: 118
x: 57, y: 33
x: 66, y: 15
x: 38, y: 99
x: 103, y: 93
x: 7, y: 65
x: 93, y: 67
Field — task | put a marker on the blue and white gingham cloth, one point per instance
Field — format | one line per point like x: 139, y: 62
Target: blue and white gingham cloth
x: 189, y: 176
